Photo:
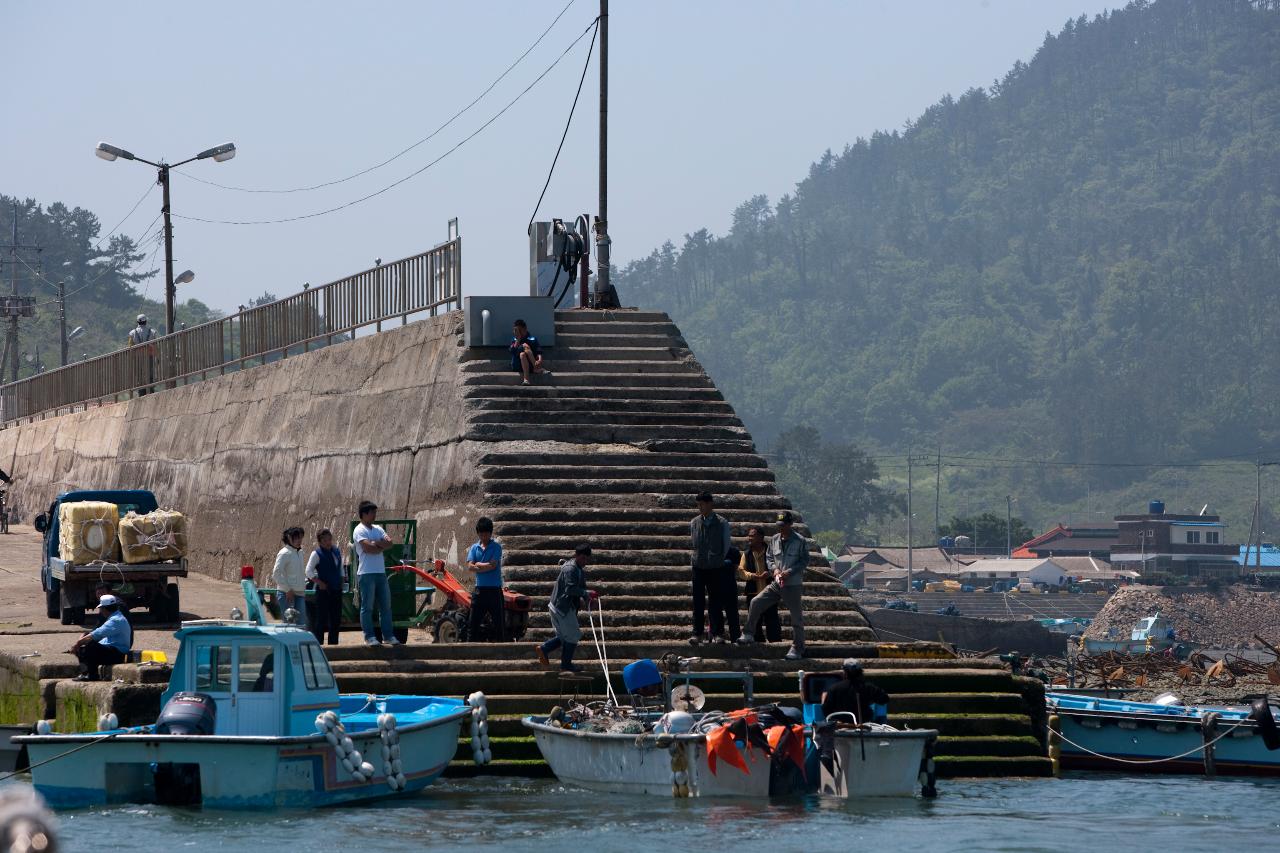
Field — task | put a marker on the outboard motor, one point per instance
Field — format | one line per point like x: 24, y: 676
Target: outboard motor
x: 188, y: 714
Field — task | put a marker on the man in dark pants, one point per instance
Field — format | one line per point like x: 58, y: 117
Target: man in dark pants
x: 709, y: 536
x: 754, y: 572
x: 107, y: 644
x: 485, y: 559
x: 324, y: 570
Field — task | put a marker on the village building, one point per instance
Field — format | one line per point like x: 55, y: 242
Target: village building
x: 1182, y: 546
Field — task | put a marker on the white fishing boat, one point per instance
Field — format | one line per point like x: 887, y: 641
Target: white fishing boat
x: 877, y: 761
x: 252, y: 718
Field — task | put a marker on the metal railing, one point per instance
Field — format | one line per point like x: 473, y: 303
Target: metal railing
x: 316, y: 317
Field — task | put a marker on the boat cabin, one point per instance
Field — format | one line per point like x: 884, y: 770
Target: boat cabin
x: 265, y: 679
x: 1151, y: 629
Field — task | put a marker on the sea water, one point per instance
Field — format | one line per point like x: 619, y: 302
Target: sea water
x: 1093, y: 813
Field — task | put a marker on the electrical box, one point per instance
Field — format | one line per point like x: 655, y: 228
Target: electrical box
x: 546, y: 244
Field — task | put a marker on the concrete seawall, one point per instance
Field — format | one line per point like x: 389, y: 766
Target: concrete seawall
x: 295, y: 442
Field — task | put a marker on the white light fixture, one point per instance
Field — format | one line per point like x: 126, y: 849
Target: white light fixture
x: 75, y: 333
x: 111, y: 152
x: 184, y: 277
x: 219, y: 153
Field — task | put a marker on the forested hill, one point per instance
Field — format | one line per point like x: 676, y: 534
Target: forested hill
x: 1080, y: 262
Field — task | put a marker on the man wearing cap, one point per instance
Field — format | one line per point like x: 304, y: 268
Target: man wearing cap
x: 141, y: 336
x: 567, y: 596
x: 786, y: 559
x: 109, y: 643
x: 709, y: 534
x: 854, y: 694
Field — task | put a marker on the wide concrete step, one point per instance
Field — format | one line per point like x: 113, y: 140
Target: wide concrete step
x: 626, y: 381
x: 988, y: 745
x: 641, y: 459
x: 634, y: 558
x: 617, y: 340
x: 741, y: 517
x: 689, y: 487
x: 614, y: 419
x: 541, y: 618
x: 618, y: 541
x: 570, y: 505
x: 529, y: 404
x: 680, y: 634
x: 596, y: 529
x: 678, y: 585
x: 597, y: 432
x: 571, y: 367
x: 543, y: 390
x: 617, y: 318
x: 604, y: 328
x: 553, y: 472
x: 638, y: 601
x: 875, y: 655
x: 992, y: 766
x: 500, y: 357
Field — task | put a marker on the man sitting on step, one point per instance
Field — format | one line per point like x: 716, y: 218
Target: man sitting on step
x: 526, y: 352
x: 787, y: 558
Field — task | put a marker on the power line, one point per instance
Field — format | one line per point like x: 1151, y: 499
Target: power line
x: 567, y: 123
x: 404, y: 151
x: 411, y: 175
x: 151, y: 185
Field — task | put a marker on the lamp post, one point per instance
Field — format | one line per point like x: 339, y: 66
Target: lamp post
x: 219, y: 154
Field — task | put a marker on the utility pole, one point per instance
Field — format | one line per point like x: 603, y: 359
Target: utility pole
x: 1257, y: 521
x: 910, y: 459
x: 170, y: 293
x: 16, y: 306
x: 602, y: 221
x: 937, y: 496
x: 1008, y: 525
x: 62, y: 321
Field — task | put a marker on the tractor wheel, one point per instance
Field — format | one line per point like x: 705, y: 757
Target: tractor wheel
x: 450, y: 627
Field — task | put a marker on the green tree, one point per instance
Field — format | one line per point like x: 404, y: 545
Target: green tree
x: 991, y: 530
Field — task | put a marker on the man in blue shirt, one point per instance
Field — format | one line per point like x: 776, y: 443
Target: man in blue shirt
x: 109, y: 643
x: 485, y: 559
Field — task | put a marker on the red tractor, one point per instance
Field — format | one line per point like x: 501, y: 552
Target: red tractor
x: 452, y: 622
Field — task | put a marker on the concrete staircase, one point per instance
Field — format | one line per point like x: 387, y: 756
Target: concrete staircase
x: 611, y: 449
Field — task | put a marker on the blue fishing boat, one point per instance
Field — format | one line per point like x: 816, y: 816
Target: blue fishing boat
x: 252, y: 719
x: 1165, y: 736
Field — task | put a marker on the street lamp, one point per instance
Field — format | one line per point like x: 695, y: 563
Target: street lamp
x: 219, y: 154
x: 185, y: 277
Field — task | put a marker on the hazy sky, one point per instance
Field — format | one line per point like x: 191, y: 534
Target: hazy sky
x: 710, y: 103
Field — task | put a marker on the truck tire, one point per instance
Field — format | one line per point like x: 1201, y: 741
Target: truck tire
x: 173, y: 610
x: 53, y: 600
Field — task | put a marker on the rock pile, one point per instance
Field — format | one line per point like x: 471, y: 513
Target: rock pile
x: 1227, y: 619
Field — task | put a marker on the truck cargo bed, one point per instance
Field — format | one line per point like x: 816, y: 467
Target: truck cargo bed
x: 133, y: 571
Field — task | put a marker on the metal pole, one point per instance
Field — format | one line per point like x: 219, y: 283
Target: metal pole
x: 937, y: 496
x: 62, y: 320
x: 13, y: 317
x: 602, y: 225
x: 910, y: 565
x: 168, y: 253
x: 1008, y: 525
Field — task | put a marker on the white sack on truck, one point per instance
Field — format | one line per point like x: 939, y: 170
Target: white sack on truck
x: 154, y: 537
x: 87, y: 532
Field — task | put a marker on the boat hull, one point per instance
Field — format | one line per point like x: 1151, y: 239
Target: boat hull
x: 642, y: 764
x: 875, y: 764
x: 234, y: 772
x: 1107, y: 738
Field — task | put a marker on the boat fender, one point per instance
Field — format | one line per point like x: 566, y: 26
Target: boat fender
x: 348, y: 766
x: 43, y: 727
x: 1260, y: 713
x: 331, y: 737
x: 679, y: 772
x: 395, y: 752
x: 355, y: 757
x: 366, y: 770
x: 480, y: 752
x: 348, y: 746
x: 108, y: 722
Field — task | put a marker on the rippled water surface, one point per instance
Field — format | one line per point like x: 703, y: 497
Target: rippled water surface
x: 1078, y: 813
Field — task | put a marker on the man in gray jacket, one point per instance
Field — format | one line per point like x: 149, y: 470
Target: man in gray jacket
x: 710, y: 540
x: 786, y: 558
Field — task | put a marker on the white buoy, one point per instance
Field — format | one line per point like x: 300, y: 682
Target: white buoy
x: 348, y: 766
x: 348, y: 746
x: 367, y: 769
x: 332, y: 737
x: 43, y: 727
x: 397, y: 767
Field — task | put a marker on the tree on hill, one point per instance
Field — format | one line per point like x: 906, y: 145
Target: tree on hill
x: 989, y: 530
x: 1076, y: 262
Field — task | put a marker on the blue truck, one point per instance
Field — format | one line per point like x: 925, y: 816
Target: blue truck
x: 70, y: 590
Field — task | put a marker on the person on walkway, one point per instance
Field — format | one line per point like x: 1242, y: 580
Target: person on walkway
x: 856, y: 695
x: 485, y: 559
x: 371, y: 576
x: 324, y: 570
x: 107, y: 644
x: 526, y: 352
x: 143, y: 336
x: 289, y: 575
x: 754, y: 573
x: 567, y: 597
x: 710, y: 540
x: 786, y: 558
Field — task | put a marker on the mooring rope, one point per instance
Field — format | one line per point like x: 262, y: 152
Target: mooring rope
x: 1199, y: 748
x: 601, y: 652
x: 97, y: 740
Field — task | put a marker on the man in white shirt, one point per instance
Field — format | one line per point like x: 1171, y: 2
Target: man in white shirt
x: 371, y: 541
x: 143, y: 336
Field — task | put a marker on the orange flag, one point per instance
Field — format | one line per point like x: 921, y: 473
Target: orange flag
x: 721, y: 743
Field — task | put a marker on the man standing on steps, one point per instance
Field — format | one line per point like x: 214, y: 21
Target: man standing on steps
x: 375, y: 593
x: 567, y: 596
x: 485, y: 559
x: 709, y: 536
x: 786, y: 559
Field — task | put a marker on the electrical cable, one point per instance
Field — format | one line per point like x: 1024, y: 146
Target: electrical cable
x: 567, y: 123
x: 141, y: 244
x: 408, y: 177
x: 150, y: 188
x: 397, y: 156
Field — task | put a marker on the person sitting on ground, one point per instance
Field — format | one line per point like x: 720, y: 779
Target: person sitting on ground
x: 289, y: 574
x: 324, y: 569
x: 567, y: 596
x: 787, y: 558
x: 526, y: 352
x: 485, y: 559
x: 754, y: 573
x: 855, y: 695
x: 107, y: 644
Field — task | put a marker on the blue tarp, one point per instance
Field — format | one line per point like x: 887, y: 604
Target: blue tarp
x: 1270, y: 556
